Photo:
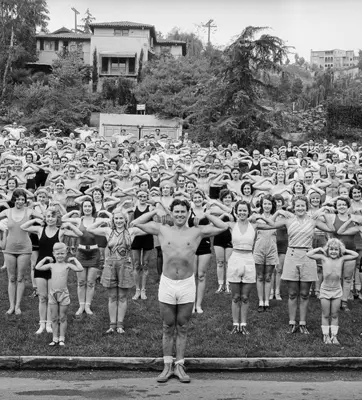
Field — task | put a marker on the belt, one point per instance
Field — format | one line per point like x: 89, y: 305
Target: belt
x: 88, y: 246
x: 300, y: 248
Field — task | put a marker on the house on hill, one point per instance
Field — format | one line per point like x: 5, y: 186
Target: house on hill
x: 120, y: 47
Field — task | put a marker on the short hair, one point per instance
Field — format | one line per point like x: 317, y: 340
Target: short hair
x: 124, y: 215
x: 354, y: 187
x: 199, y: 192
x: 300, y: 197
x: 99, y: 191
x: 245, y: 184
x: 226, y: 192
x: 179, y: 202
x: 279, y: 197
x: 244, y: 203
x: 302, y: 183
x: 335, y: 242
x: 345, y: 199
x: 19, y: 193
x: 270, y: 198
x: 59, y: 246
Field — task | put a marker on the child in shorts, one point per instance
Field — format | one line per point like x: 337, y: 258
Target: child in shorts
x: 332, y: 256
x: 58, y: 291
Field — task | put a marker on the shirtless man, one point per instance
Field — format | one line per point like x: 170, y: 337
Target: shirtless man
x: 177, y: 285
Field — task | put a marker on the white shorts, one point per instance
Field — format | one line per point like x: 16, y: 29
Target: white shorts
x: 241, y: 268
x: 177, y: 292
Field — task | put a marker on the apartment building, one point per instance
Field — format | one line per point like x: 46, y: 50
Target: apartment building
x: 337, y: 59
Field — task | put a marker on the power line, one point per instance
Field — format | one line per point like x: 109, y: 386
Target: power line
x: 209, y: 25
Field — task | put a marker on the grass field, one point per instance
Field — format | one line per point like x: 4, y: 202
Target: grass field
x: 208, y: 333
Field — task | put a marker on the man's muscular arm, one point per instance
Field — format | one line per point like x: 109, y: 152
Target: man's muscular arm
x: 218, y: 226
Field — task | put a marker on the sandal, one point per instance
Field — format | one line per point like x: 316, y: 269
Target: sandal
x: 120, y: 330
x: 53, y: 343
x: 109, y: 331
x: 61, y: 343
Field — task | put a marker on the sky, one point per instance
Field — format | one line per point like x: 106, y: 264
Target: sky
x: 303, y: 24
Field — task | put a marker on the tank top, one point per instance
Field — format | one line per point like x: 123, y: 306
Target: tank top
x: 138, y: 212
x: 46, y: 244
x: 155, y: 183
x: 119, y: 245
x: 88, y: 239
x: 243, y: 241
x: 347, y: 240
x: 254, y: 167
x: 300, y: 234
x: 18, y: 240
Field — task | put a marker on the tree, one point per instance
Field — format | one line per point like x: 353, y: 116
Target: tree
x: 95, y: 70
x: 233, y: 106
x: 194, y: 46
x: 297, y: 89
x: 284, y: 88
x: 87, y: 20
x: 19, y: 20
x: 360, y: 60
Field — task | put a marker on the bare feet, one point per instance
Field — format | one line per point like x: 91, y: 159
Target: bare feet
x: 10, y: 311
x: 17, y: 311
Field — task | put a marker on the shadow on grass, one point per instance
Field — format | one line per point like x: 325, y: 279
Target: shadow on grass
x: 208, y: 333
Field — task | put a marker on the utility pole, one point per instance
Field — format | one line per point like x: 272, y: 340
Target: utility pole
x: 76, y: 12
x: 209, y: 25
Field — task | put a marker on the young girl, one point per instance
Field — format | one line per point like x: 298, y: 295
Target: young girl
x: 333, y: 256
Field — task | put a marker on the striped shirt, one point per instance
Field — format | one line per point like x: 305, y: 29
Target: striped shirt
x: 300, y: 232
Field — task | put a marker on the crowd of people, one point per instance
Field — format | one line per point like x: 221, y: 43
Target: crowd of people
x: 99, y: 208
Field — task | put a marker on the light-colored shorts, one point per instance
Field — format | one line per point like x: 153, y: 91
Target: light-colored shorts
x: 241, y: 268
x: 330, y: 293
x: 299, y: 267
x: 59, y: 296
x: 177, y: 292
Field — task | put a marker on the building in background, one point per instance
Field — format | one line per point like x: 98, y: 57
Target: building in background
x: 121, y: 47
x: 337, y: 59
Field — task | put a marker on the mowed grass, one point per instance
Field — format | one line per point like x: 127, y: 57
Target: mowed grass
x: 208, y: 333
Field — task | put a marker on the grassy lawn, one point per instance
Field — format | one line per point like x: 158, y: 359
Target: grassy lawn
x: 208, y: 333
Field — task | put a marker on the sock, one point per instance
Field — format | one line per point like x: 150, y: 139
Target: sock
x: 181, y: 362
x: 61, y: 338
x: 55, y: 339
x: 266, y: 303
x: 325, y: 330
x: 167, y: 359
x: 292, y: 322
x: 302, y: 323
x: 334, y: 330
x: 243, y: 324
x: 235, y: 323
x: 261, y: 303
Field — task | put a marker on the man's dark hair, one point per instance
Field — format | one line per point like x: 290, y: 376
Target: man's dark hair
x: 178, y: 202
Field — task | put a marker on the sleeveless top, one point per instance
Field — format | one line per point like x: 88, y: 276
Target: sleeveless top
x: 138, y: 212
x: 203, y: 221
x: 155, y: 183
x: 18, y: 240
x: 254, y: 167
x: 243, y: 241
x: 119, y: 245
x: 300, y: 234
x: 87, y: 238
x: 347, y: 240
x: 46, y: 244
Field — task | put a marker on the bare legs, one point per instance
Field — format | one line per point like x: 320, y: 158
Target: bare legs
x: 200, y: 267
x: 297, y: 289
x: 222, y: 257
x: 140, y: 263
x: 44, y: 307
x: 348, y: 270
x: 59, y: 323
x: 16, y: 266
x: 263, y: 283
x: 276, y: 278
x: 330, y: 310
x: 240, y: 301
x: 117, y: 308
x: 86, y: 286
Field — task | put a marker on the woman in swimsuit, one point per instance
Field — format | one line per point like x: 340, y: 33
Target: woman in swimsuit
x: 18, y: 248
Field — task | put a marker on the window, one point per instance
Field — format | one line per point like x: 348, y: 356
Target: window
x: 131, y: 65
x: 118, y: 65
x: 56, y: 45
x: 49, y: 45
x: 121, y: 32
x: 41, y: 44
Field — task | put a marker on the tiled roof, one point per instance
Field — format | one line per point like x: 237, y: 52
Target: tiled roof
x: 64, y: 36
x: 63, y: 29
x: 121, y: 24
x: 170, y: 41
